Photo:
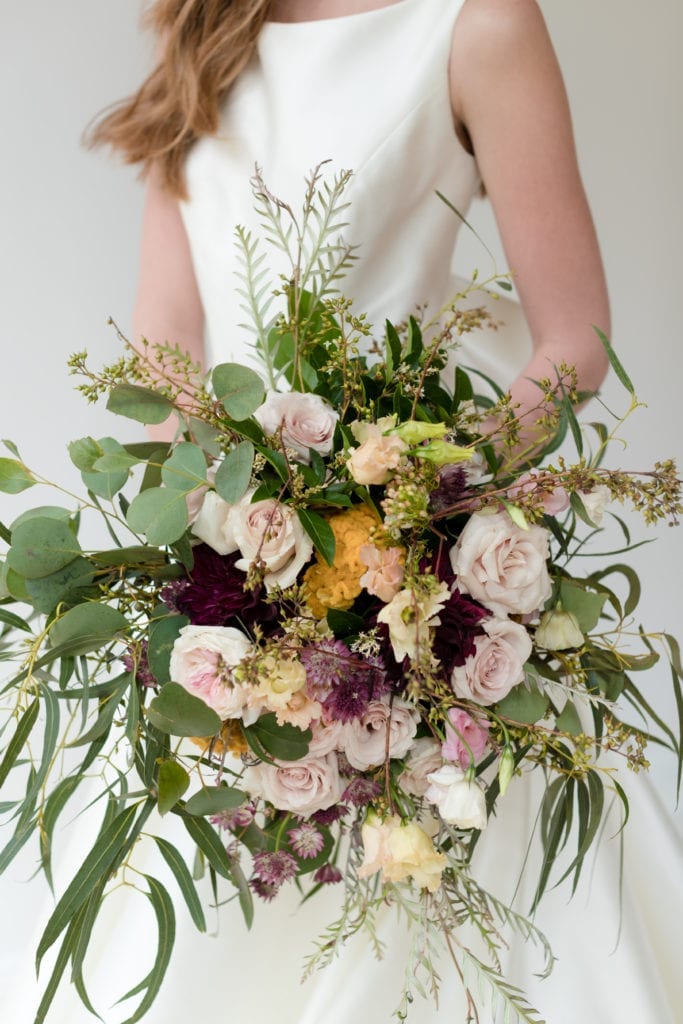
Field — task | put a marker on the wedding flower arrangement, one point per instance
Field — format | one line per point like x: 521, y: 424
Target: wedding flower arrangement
x: 342, y: 610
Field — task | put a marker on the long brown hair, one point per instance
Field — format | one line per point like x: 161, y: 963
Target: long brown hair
x: 204, y: 45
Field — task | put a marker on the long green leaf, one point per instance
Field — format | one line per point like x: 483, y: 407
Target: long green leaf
x: 183, y: 877
x: 62, y: 960
x: 96, y: 865
x: 208, y: 842
x: 615, y: 362
x: 21, y: 734
x: 165, y: 915
x: 54, y: 805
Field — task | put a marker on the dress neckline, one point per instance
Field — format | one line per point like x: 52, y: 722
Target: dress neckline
x: 335, y: 20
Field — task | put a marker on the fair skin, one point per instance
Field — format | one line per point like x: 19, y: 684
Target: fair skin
x: 507, y: 92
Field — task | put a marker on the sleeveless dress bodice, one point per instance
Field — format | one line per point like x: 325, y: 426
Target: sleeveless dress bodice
x: 370, y: 93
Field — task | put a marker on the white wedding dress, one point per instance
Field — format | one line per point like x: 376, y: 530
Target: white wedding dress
x: 369, y: 92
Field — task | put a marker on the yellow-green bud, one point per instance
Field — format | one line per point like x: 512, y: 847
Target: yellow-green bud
x: 415, y: 431
x: 558, y: 630
x: 443, y: 453
x: 506, y: 769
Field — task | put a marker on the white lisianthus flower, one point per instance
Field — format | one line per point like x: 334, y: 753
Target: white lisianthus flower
x: 409, y: 616
x: 502, y: 565
x: 595, y: 501
x: 400, y: 850
x: 497, y: 665
x: 202, y: 661
x: 458, y: 800
x: 305, y: 421
x: 364, y: 739
x: 300, y: 787
x: 271, y: 532
x: 558, y: 630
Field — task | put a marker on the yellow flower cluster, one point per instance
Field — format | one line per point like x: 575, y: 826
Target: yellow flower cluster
x: 338, y: 585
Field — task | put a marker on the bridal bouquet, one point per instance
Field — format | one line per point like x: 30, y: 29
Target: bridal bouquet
x: 338, y: 613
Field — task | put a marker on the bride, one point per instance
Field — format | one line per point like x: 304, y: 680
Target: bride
x: 415, y: 96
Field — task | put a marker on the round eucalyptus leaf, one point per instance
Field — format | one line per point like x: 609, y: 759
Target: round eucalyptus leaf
x: 179, y: 713
x: 234, y: 473
x: 14, y: 476
x: 185, y: 470
x: 138, y: 403
x: 41, y: 546
x: 240, y: 389
x: 160, y: 513
x: 106, y: 484
x: 89, y: 626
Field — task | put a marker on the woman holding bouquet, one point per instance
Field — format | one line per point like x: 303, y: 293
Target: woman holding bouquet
x: 416, y: 96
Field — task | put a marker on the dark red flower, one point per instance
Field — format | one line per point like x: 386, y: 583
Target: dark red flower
x: 454, y: 638
x: 214, y: 594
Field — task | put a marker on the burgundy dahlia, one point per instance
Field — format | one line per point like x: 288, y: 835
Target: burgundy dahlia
x: 454, y: 638
x: 214, y: 595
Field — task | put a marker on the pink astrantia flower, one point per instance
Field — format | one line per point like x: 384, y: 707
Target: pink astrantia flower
x: 466, y: 738
x: 306, y: 840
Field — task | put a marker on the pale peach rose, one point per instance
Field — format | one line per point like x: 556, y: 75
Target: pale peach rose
x: 458, y: 800
x: 202, y: 661
x: 385, y: 570
x: 400, y: 850
x: 300, y: 787
x: 497, y: 665
x: 377, y: 455
x: 305, y: 421
x: 595, y: 501
x: 552, y: 500
x: 271, y: 532
x: 365, y: 739
x: 423, y: 757
x: 502, y: 565
x: 410, y: 616
x: 466, y: 738
x: 300, y: 711
x: 279, y: 679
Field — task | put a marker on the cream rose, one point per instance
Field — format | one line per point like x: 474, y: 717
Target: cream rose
x: 304, y: 421
x: 489, y: 674
x: 400, y: 851
x: 501, y: 565
x: 458, y: 800
x: 378, y: 454
x: 409, y: 616
x: 215, y: 522
x: 202, y: 661
x: 364, y: 739
x: 300, y: 787
x: 424, y: 757
x: 271, y: 532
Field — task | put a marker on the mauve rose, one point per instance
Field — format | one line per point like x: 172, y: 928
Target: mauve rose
x: 466, y: 738
x: 305, y: 421
x: 552, y: 500
x: 501, y: 565
x: 202, y: 660
x: 423, y: 757
x: 365, y: 739
x: 271, y: 532
x: 300, y: 787
x: 327, y: 736
x: 459, y: 801
x: 498, y: 664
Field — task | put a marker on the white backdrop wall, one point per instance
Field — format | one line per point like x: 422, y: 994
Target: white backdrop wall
x: 69, y: 242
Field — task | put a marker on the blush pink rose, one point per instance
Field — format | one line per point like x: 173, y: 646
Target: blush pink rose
x: 202, y: 661
x: 304, y: 421
x: 385, y: 570
x: 377, y: 455
x: 423, y: 757
x: 502, y: 565
x: 365, y: 738
x: 466, y: 738
x: 497, y: 665
x: 300, y: 787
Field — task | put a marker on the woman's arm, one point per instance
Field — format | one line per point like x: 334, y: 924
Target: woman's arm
x: 168, y: 306
x: 507, y: 90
